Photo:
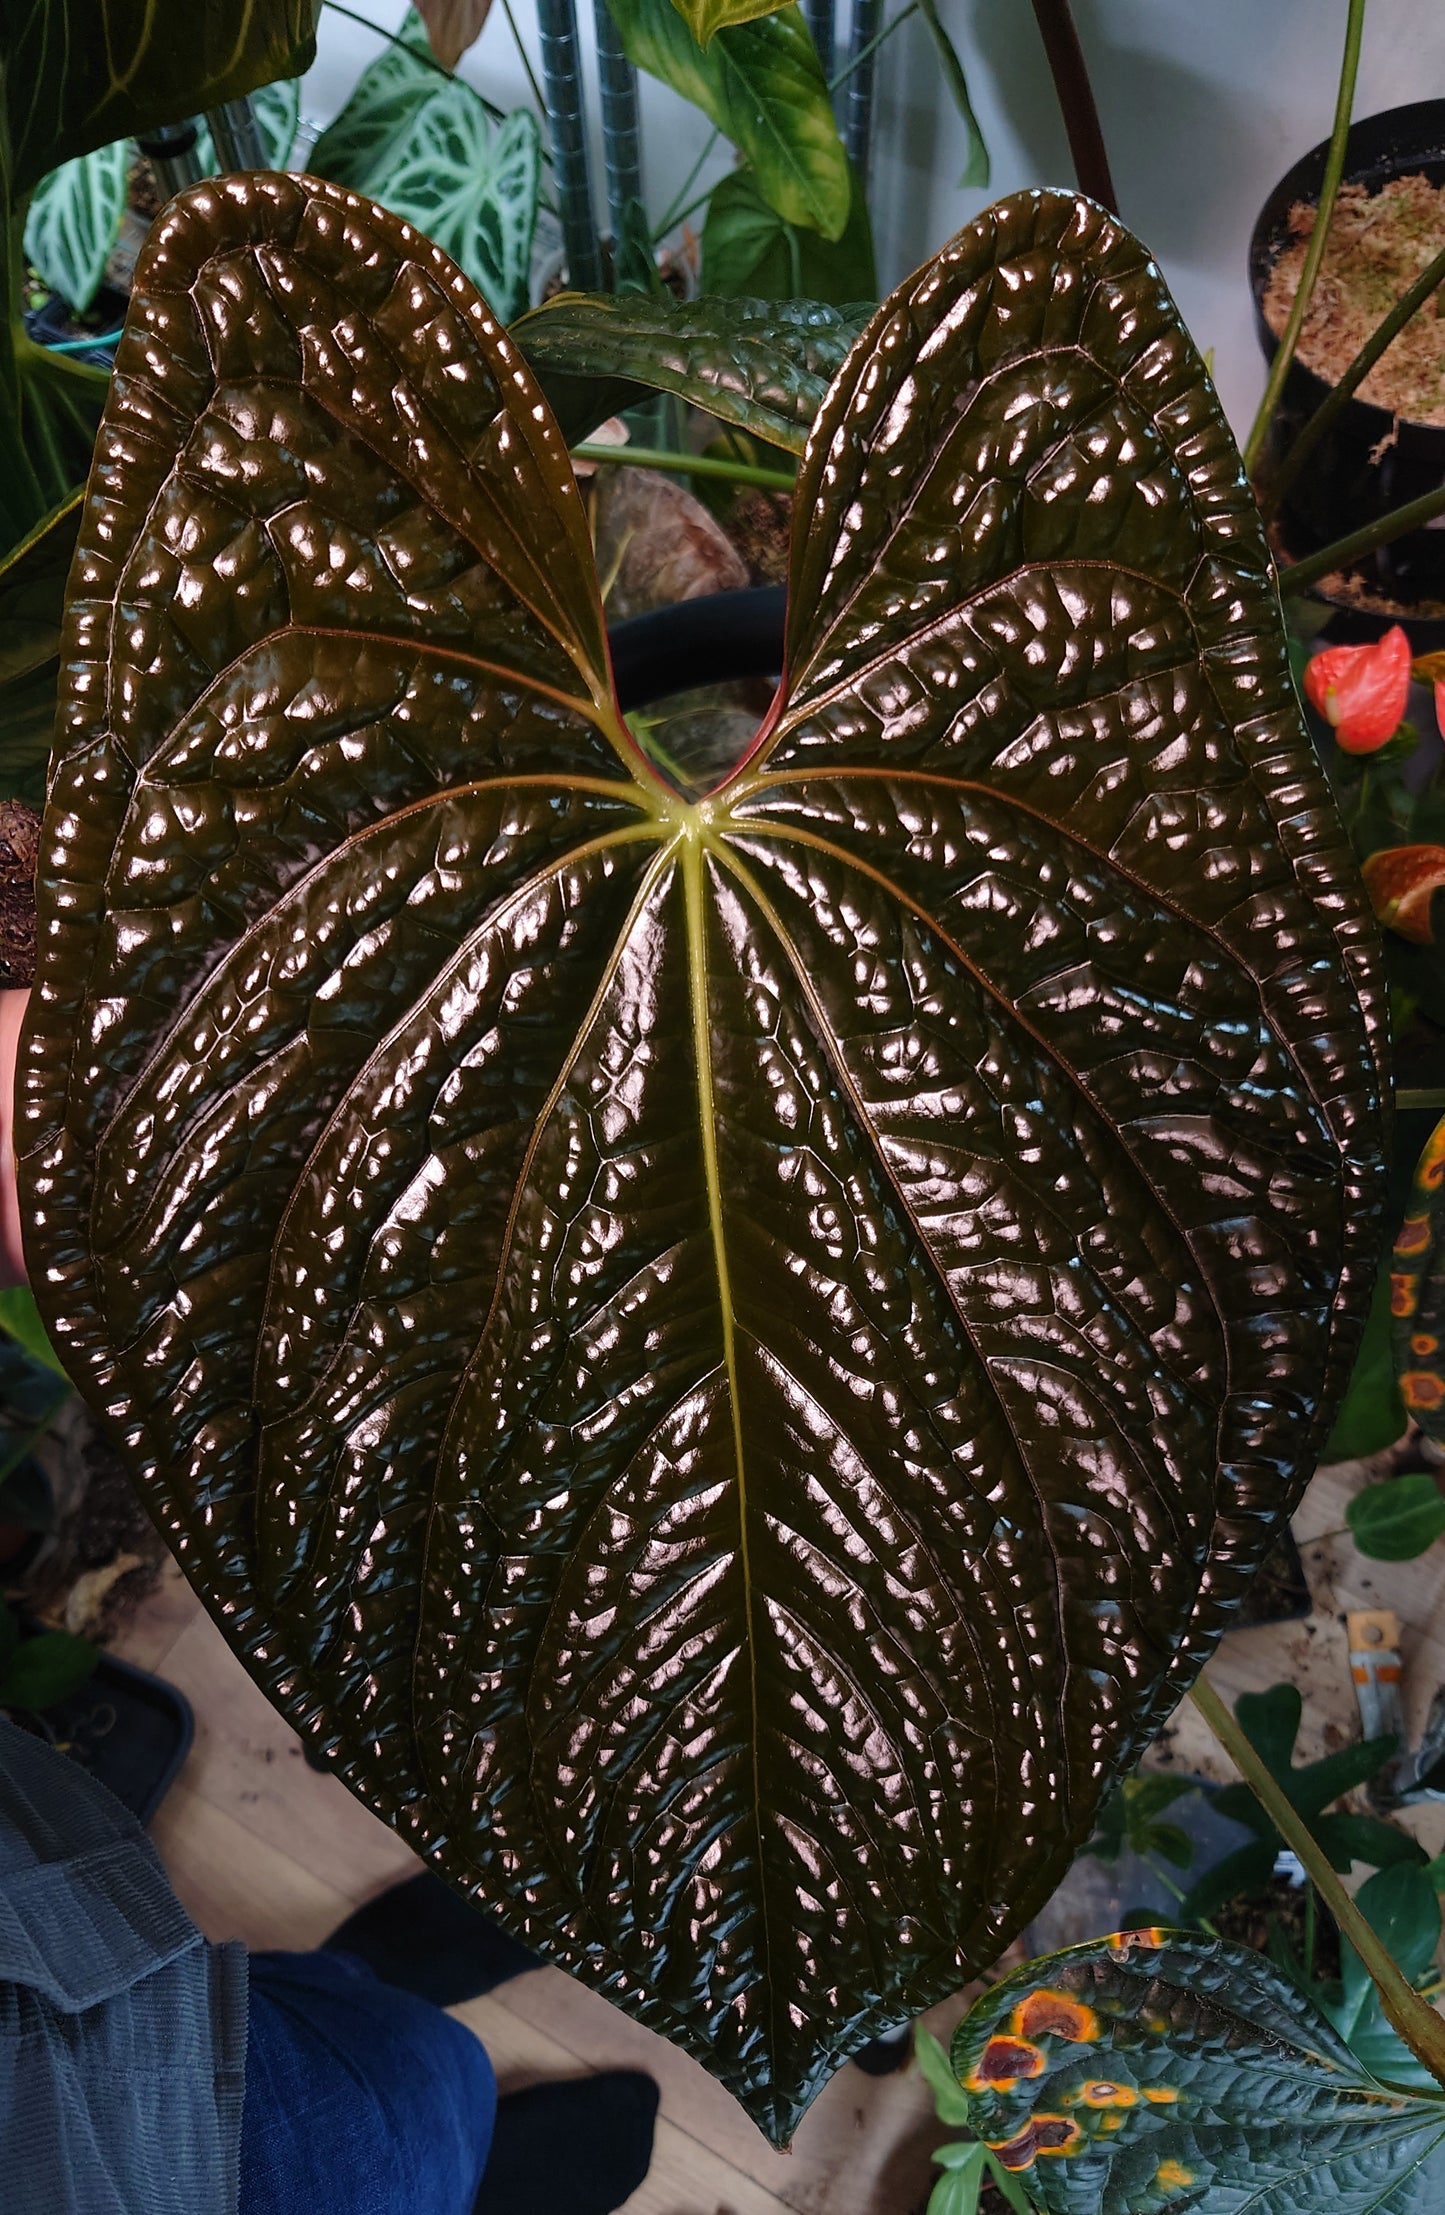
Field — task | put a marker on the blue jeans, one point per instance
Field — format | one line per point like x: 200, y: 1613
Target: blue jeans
x: 360, y: 2099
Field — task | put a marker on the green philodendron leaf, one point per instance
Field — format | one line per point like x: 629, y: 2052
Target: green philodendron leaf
x: 763, y: 85
x: 74, y: 218
x: 1373, y: 1415
x: 1159, y: 2072
x: 423, y: 146
x: 20, y: 1321
x: 1399, y: 1518
x: 750, y: 252
x: 77, y: 74
x: 728, y: 1354
x: 949, y: 2098
x: 1417, y: 1291
x: 763, y: 366
x: 32, y: 602
x: 706, y: 17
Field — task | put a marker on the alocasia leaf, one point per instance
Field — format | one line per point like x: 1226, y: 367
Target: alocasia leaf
x: 1417, y: 1292
x: 73, y: 219
x: 422, y: 145
x: 762, y: 84
x: 763, y: 367
x: 1158, y: 2072
x: 727, y: 1355
x: 750, y: 252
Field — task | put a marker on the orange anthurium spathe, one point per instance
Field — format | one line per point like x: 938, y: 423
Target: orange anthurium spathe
x: 1361, y: 690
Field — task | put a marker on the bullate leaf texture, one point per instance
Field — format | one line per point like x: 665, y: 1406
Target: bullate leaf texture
x: 1160, y: 2073
x: 727, y: 1356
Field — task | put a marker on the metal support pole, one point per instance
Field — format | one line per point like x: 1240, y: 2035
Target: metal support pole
x: 562, y: 82
x: 621, y: 140
x: 236, y: 136
x: 171, y: 152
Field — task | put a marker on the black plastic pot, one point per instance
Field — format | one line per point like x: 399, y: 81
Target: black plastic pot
x: 131, y: 1730
x: 1361, y: 468
x: 705, y: 641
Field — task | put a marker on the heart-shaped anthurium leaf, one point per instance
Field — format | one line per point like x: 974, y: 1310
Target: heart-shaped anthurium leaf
x: 1158, y: 2071
x: 727, y: 1356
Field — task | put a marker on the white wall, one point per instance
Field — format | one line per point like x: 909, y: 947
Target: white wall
x: 1204, y: 103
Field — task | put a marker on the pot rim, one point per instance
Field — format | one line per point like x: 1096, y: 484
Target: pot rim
x: 1393, y: 143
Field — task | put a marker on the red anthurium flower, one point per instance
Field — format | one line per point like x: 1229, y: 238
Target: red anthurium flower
x: 1440, y: 705
x: 1402, y: 882
x: 1361, y: 690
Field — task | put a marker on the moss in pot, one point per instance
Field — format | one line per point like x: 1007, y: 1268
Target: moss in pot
x: 1372, y: 459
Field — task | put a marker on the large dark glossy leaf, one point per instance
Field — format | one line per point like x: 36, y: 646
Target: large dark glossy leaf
x: 1160, y: 2072
x: 762, y: 365
x: 75, y: 74
x: 727, y: 1356
x: 1417, y: 1292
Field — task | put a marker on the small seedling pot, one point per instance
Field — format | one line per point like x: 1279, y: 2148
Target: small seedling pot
x: 1366, y: 464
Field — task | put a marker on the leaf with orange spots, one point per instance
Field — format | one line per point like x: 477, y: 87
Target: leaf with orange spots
x: 1210, y: 2084
x: 1418, y: 1292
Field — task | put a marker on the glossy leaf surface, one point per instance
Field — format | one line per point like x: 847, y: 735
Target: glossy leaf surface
x: 762, y: 366
x: 422, y: 145
x: 1417, y: 1292
x: 73, y: 219
x: 76, y: 74
x: 728, y: 1356
x: 762, y: 84
x: 1160, y: 2072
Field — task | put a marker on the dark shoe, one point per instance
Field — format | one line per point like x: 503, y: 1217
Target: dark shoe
x: 425, y: 1938
x: 577, y: 2148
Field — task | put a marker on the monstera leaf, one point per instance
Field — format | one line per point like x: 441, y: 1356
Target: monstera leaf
x: 1417, y: 1292
x: 764, y: 368
x: 1157, y: 2071
x: 727, y: 1354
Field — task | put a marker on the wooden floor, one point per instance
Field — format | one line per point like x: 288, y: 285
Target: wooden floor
x: 261, y: 1848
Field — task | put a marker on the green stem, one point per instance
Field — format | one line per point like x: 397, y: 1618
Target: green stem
x: 1300, y: 575
x: 1408, y: 305
x: 1319, y: 239
x: 677, y: 211
x: 867, y: 52
x: 1426, y: 1096
x: 524, y: 57
x: 1178, y: 1891
x: 688, y: 465
x: 1416, y: 2021
x: 682, y: 214
x: 429, y: 60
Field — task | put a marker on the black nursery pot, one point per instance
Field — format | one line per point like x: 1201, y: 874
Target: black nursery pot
x: 1360, y: 469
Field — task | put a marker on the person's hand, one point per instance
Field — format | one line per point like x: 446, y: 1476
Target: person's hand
x: 12, y: 1251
